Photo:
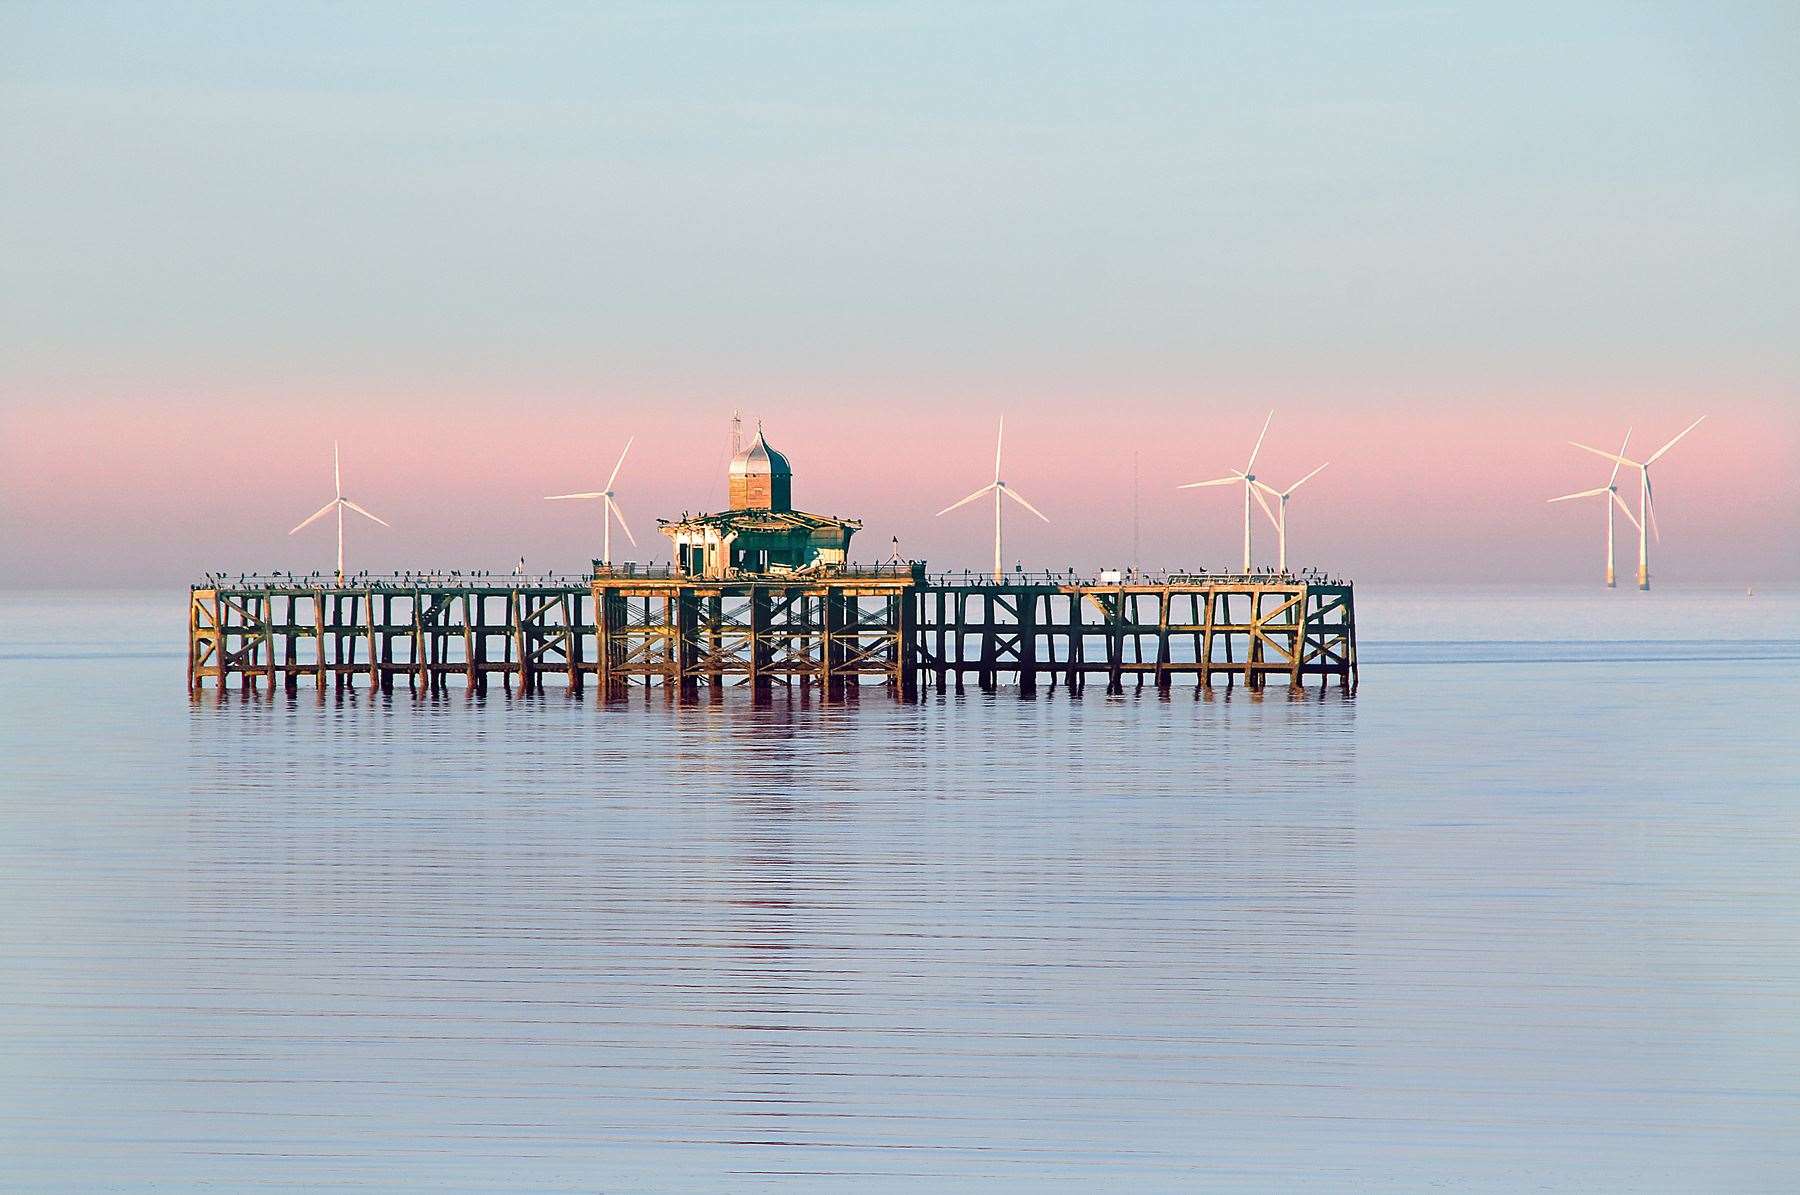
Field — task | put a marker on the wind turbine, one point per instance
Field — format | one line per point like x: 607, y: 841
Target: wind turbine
x: 1646, y: 502
x: 1248, y: 479
x: 1611, y: 491
x: 609, y: 511
x: 1281, y: 497
x: 339, y: 504
x: 999, y: 489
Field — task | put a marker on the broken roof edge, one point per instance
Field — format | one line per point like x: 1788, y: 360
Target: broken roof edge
x: 761, y: 516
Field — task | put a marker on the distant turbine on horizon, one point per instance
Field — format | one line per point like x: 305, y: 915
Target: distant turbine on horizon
x: 999, y: 489
x: 339, y: 504
x: 609, y: 508
x: 1281, y: 497
x: 1248, y: 479
x: 1611, y: 491
x: 1646, y: 502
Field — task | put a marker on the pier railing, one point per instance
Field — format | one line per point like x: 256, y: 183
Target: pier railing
x: 966, y: 578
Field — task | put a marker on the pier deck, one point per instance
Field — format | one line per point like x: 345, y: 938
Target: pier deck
x: 899, y: 628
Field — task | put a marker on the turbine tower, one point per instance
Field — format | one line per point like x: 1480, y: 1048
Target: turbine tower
x: 609, y: 508
x: 1646, y: 520
x: 1281, y: 497
x: 1000, y: 490
x: 1248, y: 479
x: 338, y: 503
x: 1611, y: 491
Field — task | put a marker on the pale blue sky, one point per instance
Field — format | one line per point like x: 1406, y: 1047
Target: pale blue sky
x: 792, y: 188
x: 1441, y: 238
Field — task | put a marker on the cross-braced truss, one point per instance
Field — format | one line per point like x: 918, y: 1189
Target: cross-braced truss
x: 834, y: 633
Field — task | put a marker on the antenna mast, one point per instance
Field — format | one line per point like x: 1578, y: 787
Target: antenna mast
x: 1137, y: 563
x: 737, y: 433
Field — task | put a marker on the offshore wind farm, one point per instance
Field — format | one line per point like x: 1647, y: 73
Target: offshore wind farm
x: 1645, y: 521
x: 766, y: 596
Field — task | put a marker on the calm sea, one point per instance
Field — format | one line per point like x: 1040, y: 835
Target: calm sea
x: 1524, y: 914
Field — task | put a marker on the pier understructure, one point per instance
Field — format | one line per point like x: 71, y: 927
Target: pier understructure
x: 624, y: 630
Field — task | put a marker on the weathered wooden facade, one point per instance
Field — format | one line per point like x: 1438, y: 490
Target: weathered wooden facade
x: 621, y: 630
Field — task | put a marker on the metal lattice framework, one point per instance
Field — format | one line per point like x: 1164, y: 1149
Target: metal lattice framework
x: 1245, y: 630
x: 759, y: 633
x: 834, y: 633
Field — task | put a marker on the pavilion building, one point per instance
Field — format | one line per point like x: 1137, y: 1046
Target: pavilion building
x: 761, y: 533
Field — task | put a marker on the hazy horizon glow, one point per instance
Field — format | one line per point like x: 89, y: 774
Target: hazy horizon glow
x: 481, y: 250
x: 1409, y: 494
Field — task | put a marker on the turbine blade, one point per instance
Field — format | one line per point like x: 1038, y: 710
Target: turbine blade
x: 613, y: 508
x: 978, y: 493
x: 1584, y: 494
x: 1621, y: 460
x: 1657, y: 455
x: 1264, y: 503
x: 614, y: 476
x: 1265, y: 487
x: 318, y: 514
x: 337, y: 472
x: 1620, y: 502
x: 1259, y: 442
x: 1215, y: 481
x: 560, y: 497
x: 362, y: 512
x: 1611, y: 456
x: 998, y: 439
x: 1028, y: 506
x: 1307, y: 478
x: 1650, y: 509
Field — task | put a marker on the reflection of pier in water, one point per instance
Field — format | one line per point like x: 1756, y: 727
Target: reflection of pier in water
x: 832, y: 632
x: 796, y: 939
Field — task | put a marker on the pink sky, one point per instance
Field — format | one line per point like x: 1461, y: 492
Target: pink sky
x: 154, y: 491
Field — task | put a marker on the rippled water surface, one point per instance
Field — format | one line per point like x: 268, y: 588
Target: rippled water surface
x: 1524, y: 914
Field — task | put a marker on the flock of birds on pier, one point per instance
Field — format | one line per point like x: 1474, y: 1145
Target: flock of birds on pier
x: 1254, y: 490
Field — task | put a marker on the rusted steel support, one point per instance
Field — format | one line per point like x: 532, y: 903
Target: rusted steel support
x: 761, y: 653
x: 418, y: 677
x: 266, y: 648
x: 1204, y: 649
x: 838, y: 632
x: 904, y: 614
x: 1026, y: 621
x: 474, y: 679
x: 960, y: 634
x: 205, y: 658
x: 1164, y: 600
x: 949, y: 641
x: 1115, y: 607
x: 831, y: 649
x: 687, y: 650
x: 368, y: 607
x: 528, y: 640
x: 1077, y: 645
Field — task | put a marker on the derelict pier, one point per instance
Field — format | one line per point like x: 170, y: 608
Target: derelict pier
x: 834, y: 634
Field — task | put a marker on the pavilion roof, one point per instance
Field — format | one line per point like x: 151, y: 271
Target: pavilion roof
x: 759, y: 520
